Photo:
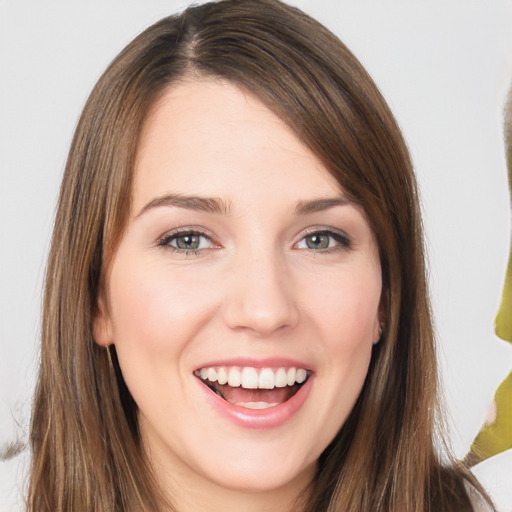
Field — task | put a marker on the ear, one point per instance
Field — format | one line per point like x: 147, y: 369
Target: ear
x: 101, y: 323
x: 381, y: 318
x: 377, y: 330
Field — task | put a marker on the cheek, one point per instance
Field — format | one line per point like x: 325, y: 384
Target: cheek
x: 155, y: 312
x: 154, y: 306
x: 345, y: 306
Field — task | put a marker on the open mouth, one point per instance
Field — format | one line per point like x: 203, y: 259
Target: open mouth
x: 253, y: 388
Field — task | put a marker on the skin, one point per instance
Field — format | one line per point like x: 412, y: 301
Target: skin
x: 254, y: 289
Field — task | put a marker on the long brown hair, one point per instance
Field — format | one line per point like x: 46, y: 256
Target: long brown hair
x: 87, y: 453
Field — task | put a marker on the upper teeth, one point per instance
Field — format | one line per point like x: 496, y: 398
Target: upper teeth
x: 253, y: 378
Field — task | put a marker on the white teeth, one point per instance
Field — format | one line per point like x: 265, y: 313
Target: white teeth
x: 281, y: 379
x: 253, y: 378
x: 250, y: 378
x: 291, y: 376
x: 255, y: 405
x: 300, y: 376
x: 266, y: 380
x: 222, y: 376
x: 234, y: 378
x: 212, y: 374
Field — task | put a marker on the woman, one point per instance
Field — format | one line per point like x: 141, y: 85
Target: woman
x: 236, y: 313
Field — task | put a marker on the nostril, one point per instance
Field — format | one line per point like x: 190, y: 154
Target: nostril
x: 263, y: 317
x: 258, y: 295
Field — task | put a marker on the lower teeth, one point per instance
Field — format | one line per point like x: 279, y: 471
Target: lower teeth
x: 247, y: 405
x: 254, y: 405
x: 250, y: 405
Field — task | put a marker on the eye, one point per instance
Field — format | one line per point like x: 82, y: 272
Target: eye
x: 187, y: 242
x: 324, y: 240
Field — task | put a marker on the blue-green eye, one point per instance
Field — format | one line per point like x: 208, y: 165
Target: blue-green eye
x: 186, y: 241
x: 323, y: 241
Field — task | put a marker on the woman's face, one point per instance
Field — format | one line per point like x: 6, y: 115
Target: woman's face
x: 243, y: 299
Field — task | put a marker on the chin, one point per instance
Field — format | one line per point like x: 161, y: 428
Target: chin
x: 255, y: 477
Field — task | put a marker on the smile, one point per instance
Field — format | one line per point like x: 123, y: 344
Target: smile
x: 253, y: 388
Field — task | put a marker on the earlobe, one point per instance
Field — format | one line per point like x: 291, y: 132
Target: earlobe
x: 377, y: 333
x: 101, y: 324
x: 380, y: 321
x: 378, y: 337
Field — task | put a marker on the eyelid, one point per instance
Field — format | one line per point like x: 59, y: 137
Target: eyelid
x: 344, y: 240
x: 162, y: 241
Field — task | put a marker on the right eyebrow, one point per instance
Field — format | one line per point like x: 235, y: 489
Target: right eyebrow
x: 213, y: 205
x: 318, y: 205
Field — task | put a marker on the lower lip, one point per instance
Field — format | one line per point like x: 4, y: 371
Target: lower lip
x: 272, y: 417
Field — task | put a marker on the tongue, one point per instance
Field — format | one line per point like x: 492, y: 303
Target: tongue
x: 242, y: 395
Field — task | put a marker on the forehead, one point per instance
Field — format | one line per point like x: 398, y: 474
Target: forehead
x: 212, y: 137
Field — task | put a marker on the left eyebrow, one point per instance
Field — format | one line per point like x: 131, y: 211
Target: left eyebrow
x: 318, y: 205
x: 190, y: 202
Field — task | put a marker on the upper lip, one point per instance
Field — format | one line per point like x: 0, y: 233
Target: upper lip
x: 269, y: 362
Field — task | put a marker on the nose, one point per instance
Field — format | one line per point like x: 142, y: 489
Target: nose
x: 260, y: 297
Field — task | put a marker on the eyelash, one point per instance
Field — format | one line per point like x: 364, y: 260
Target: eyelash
x: 165, y: 241
x: 343, y: 241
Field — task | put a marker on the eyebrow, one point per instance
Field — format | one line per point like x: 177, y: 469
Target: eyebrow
x: 318, y: 205
x: 218, y: 206
x: 213, y: 205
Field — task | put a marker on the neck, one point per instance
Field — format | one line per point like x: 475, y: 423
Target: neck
x: 205, y: 496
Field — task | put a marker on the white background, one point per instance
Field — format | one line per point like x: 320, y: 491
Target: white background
x: 443, y: 65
